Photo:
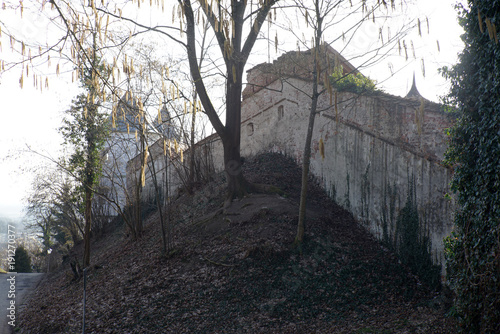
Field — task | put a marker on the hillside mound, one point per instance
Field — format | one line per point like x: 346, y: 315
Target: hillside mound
x: 235, y: 271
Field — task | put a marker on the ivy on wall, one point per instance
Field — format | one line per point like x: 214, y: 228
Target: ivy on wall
x: 347, y: 201
x: 388, y: 211
x: 413, y: 243
x: 365, y: 194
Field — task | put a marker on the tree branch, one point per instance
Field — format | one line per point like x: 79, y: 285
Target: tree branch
x: 195, y: 70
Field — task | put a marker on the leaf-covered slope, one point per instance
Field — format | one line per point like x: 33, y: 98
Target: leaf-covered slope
x: 237, y: 273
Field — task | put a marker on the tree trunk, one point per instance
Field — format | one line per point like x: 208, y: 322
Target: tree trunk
x: 238, y: 186
x: 90, y: 172
x: 159, y: 204
x: 307, y: 148
x: 137, y: 232
x: 168, y: 229
x: 89, y: 183
x: 88, y: 222
x: 305, y: 172
x: 74, y: 235
x: 192, y: 148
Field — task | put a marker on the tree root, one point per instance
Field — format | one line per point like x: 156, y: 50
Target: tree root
x: 254, y: 188
x: 267, y: 189
x: 208, y: 217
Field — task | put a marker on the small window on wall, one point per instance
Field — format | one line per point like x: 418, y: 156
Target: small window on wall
x: 250, y: 129
x: 281, y: 112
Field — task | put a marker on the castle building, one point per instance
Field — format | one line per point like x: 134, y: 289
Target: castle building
x: 124, y: 143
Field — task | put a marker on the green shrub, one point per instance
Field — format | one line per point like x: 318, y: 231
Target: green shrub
x: 473, y: 250
x: 354, y: 83
x: 22, y: 260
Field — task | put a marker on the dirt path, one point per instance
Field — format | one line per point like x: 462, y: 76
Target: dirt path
x: 13, y: 290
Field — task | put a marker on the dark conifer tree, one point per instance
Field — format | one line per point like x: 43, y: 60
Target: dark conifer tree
x: 23, y: 260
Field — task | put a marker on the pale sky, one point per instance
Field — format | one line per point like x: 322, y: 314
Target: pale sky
x: 28, y: 118
x: 31, y: 118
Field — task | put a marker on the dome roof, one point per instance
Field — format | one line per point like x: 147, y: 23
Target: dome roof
x: 127, y: 112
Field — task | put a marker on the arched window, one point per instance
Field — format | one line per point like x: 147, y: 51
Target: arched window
x: 250, y: 129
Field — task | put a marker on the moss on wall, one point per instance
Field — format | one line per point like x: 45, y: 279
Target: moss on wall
x: 365, y: 195
x: 388, y: 212
x: 347, y: 201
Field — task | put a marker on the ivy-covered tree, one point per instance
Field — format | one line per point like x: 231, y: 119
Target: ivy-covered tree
x: 473, y: 250
x: 85, y: 128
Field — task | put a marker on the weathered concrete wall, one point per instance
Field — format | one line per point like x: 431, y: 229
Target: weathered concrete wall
x: 375, y: 147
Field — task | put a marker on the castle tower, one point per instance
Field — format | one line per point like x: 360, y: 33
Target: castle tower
x: 413, y: 92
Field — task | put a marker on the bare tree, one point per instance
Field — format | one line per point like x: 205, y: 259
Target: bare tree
x: 326, y: 73
x: 53, y: 208
x: 227, y: 19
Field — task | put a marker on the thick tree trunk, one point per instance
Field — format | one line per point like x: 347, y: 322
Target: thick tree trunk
x: 238, y: 186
